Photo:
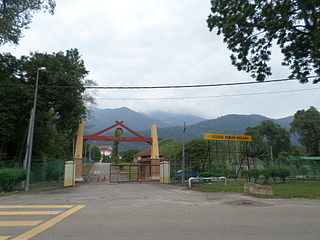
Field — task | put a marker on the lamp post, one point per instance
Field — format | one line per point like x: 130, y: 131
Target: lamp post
x: 31, y: 130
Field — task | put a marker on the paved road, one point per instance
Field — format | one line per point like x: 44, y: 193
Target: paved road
x: 155, y: 211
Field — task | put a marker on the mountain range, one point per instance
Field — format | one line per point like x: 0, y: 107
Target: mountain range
x: 170, y: 125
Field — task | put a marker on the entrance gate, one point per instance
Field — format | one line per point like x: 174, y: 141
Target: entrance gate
x: 139, y: 173
x: 133, y: 173
x: 123, y: 173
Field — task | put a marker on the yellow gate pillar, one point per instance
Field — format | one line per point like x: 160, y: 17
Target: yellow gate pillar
x: 78, y: 154
x: 155, y: 159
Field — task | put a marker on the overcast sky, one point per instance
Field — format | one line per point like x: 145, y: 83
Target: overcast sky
x: 159, y: 42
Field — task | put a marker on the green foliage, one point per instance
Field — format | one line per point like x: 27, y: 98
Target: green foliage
x: 195, y: 150
x: 95, y: 153
x: 128, y: 155
x: 266, y: 173
x: 254, y: 173
x: 307, y: 125
x: 274, y: 173
x: 16, y: 16
x: 246, y: 174
x: 205, y: 174
x: 10, y: 176
x: 267, y: 134
x: 58, y: 111
x: 250, y: 28
x: 106, y: 159
x: 283, y: 174
x: 219, y: 170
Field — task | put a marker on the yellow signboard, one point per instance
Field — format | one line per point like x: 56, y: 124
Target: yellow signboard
x: 226, y: 137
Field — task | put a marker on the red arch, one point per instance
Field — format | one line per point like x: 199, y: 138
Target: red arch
x: 139, y: 137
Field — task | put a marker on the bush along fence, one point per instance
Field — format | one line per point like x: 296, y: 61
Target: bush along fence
x: 267, y: 173
x: 10, y: 177
x: 44, y: 173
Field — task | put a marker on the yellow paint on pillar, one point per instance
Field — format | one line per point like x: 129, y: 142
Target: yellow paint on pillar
x: 155, y: 158
x: 78, y: 153
x: 155, y: 144
x: 79, y: 143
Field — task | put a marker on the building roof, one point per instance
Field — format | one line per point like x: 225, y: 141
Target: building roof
x: 107, y: 148
x: 147, y: 153
x: 144, y: 160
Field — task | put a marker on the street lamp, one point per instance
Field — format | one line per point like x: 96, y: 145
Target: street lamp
x: 31, y: 130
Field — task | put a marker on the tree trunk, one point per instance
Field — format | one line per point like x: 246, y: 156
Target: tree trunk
x: 318, y: 147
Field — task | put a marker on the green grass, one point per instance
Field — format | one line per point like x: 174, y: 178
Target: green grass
x: 290, y: 189
x: 301, y: 189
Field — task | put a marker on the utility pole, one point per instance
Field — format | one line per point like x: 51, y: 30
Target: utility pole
x: 26, y: 158
x: 183, y: 154
x: 31, y: 130
x: 271, y: 154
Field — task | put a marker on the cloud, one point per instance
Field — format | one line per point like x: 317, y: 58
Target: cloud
x: 150, y: 43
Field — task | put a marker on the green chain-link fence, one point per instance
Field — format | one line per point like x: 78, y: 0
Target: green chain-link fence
x: 44, y: 173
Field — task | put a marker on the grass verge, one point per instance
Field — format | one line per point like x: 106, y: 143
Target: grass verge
x: 290, y: 189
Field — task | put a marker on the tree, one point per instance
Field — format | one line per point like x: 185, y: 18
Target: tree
x: 95, y: 153
x: 128, y: 155
x: 16, y: 15
x: 270, y: 133
x: 59, y: 110
x: 283, y: 174
x: 254, y: 173
x: 251, y: 27
x: 307, y: 125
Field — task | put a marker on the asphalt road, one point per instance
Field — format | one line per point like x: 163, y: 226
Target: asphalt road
x: 155, y: 211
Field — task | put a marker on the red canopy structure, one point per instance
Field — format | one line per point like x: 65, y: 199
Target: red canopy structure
x: 139, y: 138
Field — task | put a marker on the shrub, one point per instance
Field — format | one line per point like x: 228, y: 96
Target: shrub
x: 246, y: 174
x: 10, y: 176
x: 205, y: 174
x: 274, y: 173
x: 283, y: 173
x: 266, y: 173
x: 254, y: 173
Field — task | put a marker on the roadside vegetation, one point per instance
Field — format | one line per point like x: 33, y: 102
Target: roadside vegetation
x: 290, y: 189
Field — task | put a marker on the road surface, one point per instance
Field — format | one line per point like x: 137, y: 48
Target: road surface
x: 156, y: 211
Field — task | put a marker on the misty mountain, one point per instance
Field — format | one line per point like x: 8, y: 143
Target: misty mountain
x: 102, y: 118
x: 167, y: 127
x: 229, y: 124
x: 175, y: 119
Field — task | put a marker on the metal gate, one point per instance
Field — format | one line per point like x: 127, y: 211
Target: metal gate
x: 134, y: 173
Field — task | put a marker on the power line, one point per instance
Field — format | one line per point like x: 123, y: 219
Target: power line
x: 216, y: 96
x: 159, y: 87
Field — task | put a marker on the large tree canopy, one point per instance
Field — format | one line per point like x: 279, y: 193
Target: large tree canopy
x: 269, y: 134
x: 16, y: 15
x: 250, y: 27
x: 59, y: 110
x: 307, y: 124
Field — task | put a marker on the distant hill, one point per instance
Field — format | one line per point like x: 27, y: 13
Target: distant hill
x: 229, y: 124
x: 175, y: 119
x: 102, y: 118
x: 167, y: 127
